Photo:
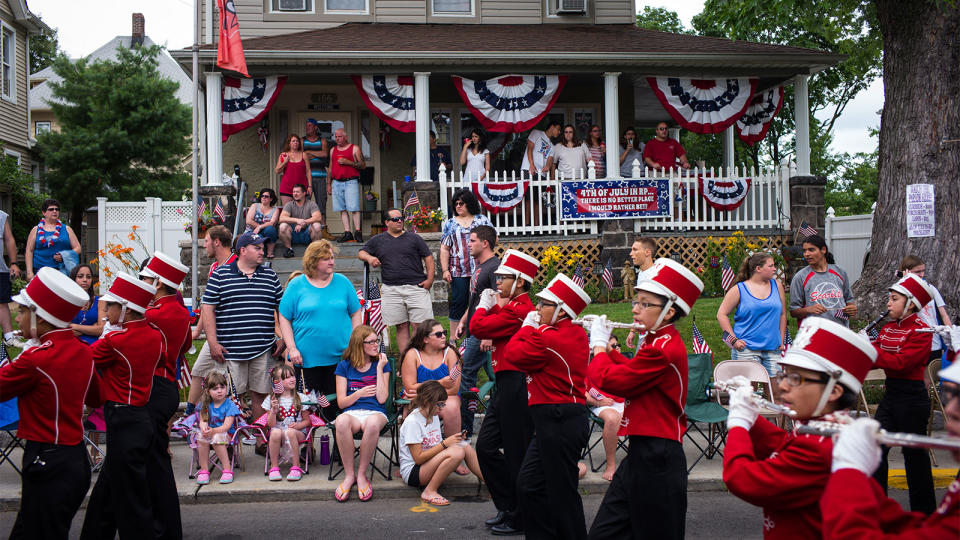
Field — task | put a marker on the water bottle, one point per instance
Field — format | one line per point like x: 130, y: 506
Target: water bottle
x: 325, y: 450
x: 472, y: 404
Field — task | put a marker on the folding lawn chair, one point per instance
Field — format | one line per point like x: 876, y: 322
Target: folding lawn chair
x: 9, y: 418
x: 392, y: 406
x: 305, y: 447
x: 596, y: 424
x: 756, y: 373
x: 700, y: 409
x: 872, y: 375
x: 935, y: 403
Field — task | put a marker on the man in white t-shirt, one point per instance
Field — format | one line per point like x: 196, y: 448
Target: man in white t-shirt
x: 539, y: 148
x: 929, y: 312
x: 642, y: 253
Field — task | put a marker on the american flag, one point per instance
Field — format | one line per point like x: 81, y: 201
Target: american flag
x: 462, y: 348
x: 455, y: 372
x: 578, y: 276
x: 728, y: 338
x: 839, y: 314
x: 413, y: 200
x: 608, y: 274
x: 806, y: 230
x: 595, y: 394
x: 374, y: 317
x: 322, y: 400
x: 219, y: 211
x: 787, y: 341
x: 700, y: 345
x: 184, y: 379
x: 201, y: 208
x: 726, y: 274
x: 360, y: 297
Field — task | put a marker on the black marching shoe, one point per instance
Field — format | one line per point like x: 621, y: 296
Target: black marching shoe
x: 345, y: 237
x: 496, y: 520
x: 505, y: 529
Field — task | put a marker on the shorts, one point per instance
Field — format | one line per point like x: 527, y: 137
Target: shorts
x: 414, y: 479
x: 363, y: 414
x: 253, y: 374
x: 459, y: 294
x: 770, y: 360
x: 405, y: 303
x: 205, y: 364
x: 346, y: 195
x: 617, y: 406
x: 5, y: 287
x: 300, y: 237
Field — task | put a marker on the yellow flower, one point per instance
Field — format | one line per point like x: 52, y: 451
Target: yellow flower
x: 753, y: 246
x: 764, y: 239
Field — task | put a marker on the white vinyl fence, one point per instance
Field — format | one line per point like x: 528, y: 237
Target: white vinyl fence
x: 848, y: 238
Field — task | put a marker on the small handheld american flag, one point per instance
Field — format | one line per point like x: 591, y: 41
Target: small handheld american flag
x: 374, y: 316
x: 414, y: 200
x: 578, y: 276
x: 726, y: 275
x: 700, y: 345
x: 595, y: 394
x: 277, y: 387
x: 455, y: 372
x: 839, y: 314
x: 787, y: 341
x: 201, y: 208
x: 728, y: 338
x: 219, y: 211
x: 608, y: 274
x: 322, y: 400
x: 806, y: 230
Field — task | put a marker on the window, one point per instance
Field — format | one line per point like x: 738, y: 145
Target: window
x: 13, y: 154
x: 40, y: 127
x: 453, y: 7
x: 292, y: 5
x: 8, y: 63
x: 346, y: 5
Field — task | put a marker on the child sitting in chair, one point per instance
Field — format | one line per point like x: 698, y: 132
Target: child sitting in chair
x: 288, y: 420
x: 216, y: 427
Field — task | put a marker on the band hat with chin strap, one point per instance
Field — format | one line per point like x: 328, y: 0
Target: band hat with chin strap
x: 915, y: 289
x: 167, y: 270
x: 56, y: 298
x: 131, y: 293
x: 518, y: 264
x: 672, y: 280
x: 567, y: 294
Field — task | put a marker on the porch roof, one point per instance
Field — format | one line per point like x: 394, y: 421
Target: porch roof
x: 356, y: 46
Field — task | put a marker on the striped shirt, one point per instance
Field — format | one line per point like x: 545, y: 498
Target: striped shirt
x: 457, y: 238
x: 244, y: 309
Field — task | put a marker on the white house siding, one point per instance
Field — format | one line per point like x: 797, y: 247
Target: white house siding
x: 13, y: 116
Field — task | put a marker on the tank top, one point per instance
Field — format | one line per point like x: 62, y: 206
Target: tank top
x: 757, y: 321
x: 3, y: 265
x: 424, y: 374
x: 342, y: 172
x: 48, y: 244
x: 318, y: 165
x: 295, y: 173
x: 87, y: 318
x: 260, y: 217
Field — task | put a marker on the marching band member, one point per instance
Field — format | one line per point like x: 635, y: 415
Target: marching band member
x: 784, y: 472
x: 856, y: 508
x: 903, y: 353
x: 173, y: 320
x: 648, y: 495
x: 127, y: 359
x: 507, y: 423
x: 553, y: 353
x: 52, y: 380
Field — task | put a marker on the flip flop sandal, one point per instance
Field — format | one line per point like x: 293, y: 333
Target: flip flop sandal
x: 340, y: 494
x: 436, y: 501
x: 365, y: 495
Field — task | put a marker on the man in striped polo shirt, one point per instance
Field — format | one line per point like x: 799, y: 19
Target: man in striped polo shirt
x: 239, y: 306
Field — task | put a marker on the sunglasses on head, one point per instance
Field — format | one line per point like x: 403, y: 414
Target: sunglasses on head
x: 395, y: 219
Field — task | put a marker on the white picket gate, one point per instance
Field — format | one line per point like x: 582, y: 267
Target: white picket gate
x: 848, y: 238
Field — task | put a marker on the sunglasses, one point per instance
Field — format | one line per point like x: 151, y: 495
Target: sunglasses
x: 439, y: 334
x: 661, y: 129
x: 52, y: 209
x: 395, y: 219
x: 459, y: 203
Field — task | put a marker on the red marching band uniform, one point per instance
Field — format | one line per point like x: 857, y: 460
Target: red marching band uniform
x: 53, y: 380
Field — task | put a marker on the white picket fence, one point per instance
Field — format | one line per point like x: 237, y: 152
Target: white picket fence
x: 848, y: 238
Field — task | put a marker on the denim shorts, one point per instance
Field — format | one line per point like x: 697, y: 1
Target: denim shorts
x: 346, y: 195
x: 770, y: 360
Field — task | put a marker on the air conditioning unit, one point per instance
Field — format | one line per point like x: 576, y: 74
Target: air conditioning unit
x: 293, y: 5
x: 571, y: 6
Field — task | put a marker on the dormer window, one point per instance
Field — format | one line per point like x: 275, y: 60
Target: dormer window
x: 453, y: 7
x: 293, y: 6
x: 346, y: 6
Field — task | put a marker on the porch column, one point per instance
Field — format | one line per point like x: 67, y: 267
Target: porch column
x: 674, y: 133
x: 421, y: 96
x: 728, y: 158
x: 801, y: 111
x: 214, y: 128
x: 611, y: 121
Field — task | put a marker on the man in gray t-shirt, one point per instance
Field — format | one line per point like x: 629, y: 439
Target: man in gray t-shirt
x: 822, y: 294
x: 300, y: 221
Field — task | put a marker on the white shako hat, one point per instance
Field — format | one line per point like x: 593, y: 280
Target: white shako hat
x: 672, y: 280
x: 951, y: 373
x: 915, y: 289
x: 567, y: 294
x: 131, y: 293
x: 518, y: 264
x: 55, y: 297
x: 167, y: 270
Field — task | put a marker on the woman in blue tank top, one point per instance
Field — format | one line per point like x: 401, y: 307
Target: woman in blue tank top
x: 430, y: 357
x: 760, y: 320
x: 49, y: 241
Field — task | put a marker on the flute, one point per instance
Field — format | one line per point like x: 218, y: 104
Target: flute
x: 910, y: 440
x: 757, y: 400
x: 587, y: 320
x: 875, y: 322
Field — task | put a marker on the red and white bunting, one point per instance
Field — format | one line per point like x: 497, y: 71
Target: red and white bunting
x: 704, y: 105
x: 753, y: 125
x: 499, y: 197
x: 510, y: 103
x: 246, y: 101
x: 390, y: 97
x: 724, y: 194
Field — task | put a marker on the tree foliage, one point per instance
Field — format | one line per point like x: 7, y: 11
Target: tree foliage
x: 122, y: 132
x: 25, y: 204
x: 44, y: 48
x: 661, y: 19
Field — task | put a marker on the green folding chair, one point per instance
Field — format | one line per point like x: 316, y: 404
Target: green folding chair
x: 701, y: 409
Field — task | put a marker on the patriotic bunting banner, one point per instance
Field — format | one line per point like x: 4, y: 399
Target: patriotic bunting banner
x: 510, y: 103
x: 499, y: 197
x: 753, y: 125
x: 247, y: 101
x: 726, y: 194
x: 704, y: 105
x: 390, y: 97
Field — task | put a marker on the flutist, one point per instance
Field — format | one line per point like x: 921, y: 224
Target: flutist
x: 783, y: 472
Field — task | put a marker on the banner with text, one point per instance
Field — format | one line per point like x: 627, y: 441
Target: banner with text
x: 615, y: 199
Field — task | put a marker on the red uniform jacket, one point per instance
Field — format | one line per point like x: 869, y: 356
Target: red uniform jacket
x: 173, y: 320
x: 854, y: 506
x: 127, y: 359
x: 500, y: 324
x: 903, y: 352
x: 52, y: 382
x: 555, y: 361
x: 653, y: 384
x: 781, y: 472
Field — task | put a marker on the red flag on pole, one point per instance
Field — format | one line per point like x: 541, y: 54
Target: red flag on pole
x: 229, y: 48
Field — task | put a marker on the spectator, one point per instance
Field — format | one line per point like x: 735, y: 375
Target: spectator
x: 598, y: 150
x: 431, y: 358
x: 760, y: 320
x: 476, y: 157
x: 426, y: 458
x: 215, y: 427
x: 570, y: 156
x: 288, y: 420
x: 294, y: 165
x: 239, y: 307
x: 821, y: 289
x: 299, y: 221
x: 87, y: 324
x: 662, y: 152
x: 317, y: 149
x: 438, y: 155
x: 346, y: 160
x: 9, y: 248
x: 642, y: 253
x: 936, y: 309
x: 51, y: 243
x: 609, y: 409
x: 318, y: 311
x: 632, y: 151
x: 363, y: 381
x: 263, y: 217
x: 536, y: 160
x: 407, y: 269
x: 456, y: 262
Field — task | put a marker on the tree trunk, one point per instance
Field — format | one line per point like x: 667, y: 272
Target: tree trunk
x: 918, y: 145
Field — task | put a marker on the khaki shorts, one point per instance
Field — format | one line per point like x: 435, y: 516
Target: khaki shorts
x: 253, y: 374
x: 205, y: 364
x: 405, y: 303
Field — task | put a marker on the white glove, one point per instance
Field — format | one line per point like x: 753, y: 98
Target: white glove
x: 743, y: 411
x: 488, y: 299
x: 955, y: 338
x: 599, y: 332
x: 532, y: 319
x: 857, y: 447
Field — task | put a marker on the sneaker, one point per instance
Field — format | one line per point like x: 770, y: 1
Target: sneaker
x: 274, y: 475
x: 15, y: 341
x: 287, y: 253
x: 358, y: 237
x: 226, y: 477
x: 345, y: 237
x: 295, y: 474
x: 203, y: 478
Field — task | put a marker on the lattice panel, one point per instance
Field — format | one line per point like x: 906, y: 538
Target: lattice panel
x: 126, y: 214
x: 693, y: 250
x: 588, y: 247
x: 176, y: 214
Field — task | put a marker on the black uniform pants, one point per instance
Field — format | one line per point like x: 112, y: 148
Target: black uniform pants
x: 55, y: 480
x: 164, y: 400
x: 905, y: 407
x: 120, y: 501
x: 648, y: 495
x: 547, y: 486
x: 507, y: 424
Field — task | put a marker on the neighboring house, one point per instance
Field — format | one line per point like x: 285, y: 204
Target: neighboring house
x: 16, y: 25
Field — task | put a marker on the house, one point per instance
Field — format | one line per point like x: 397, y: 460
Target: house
x: 16, y: 25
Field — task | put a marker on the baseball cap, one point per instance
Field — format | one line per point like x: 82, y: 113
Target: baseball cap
x: 249, y: 239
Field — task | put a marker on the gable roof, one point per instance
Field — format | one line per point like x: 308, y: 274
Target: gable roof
x: 22, y: 14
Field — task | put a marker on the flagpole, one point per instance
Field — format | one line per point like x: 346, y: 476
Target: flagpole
x: 194, y: 244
